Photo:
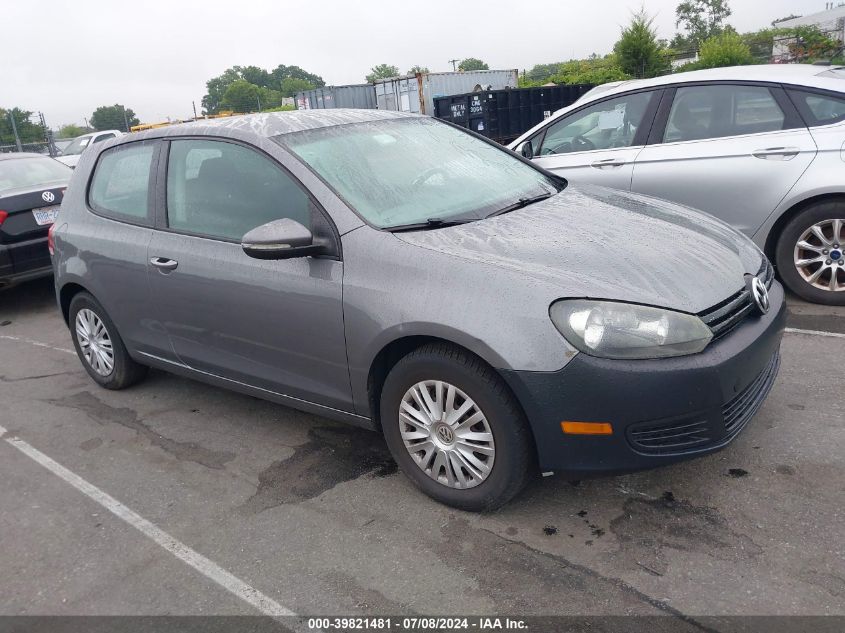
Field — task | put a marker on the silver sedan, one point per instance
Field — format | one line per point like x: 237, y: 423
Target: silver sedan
x: 760, y: 147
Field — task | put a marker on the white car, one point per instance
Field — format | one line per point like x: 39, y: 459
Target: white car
x: 72, y: 153
x: 760, y: 147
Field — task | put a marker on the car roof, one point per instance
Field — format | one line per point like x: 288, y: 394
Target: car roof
x: 268, y: 124
x: 803, y: 74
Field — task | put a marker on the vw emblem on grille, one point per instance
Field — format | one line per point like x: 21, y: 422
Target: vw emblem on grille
x: 444, y: 434
x: 760, y: 294
x: 48, y: 196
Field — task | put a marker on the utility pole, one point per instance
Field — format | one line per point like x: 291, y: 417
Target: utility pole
x: 257, y: 96
x: 125, y: 120
x: 454, y: 62
x: 15, y: 131
x: 194, y: 104
x: 48, y: 136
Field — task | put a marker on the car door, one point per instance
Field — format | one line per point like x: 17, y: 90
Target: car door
x: 112, y: 240
x: 272, y: 324
x: 597, y: 144
x: 733, y: 150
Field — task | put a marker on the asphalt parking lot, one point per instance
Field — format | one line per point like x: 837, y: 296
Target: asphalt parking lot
x: 314, y: 516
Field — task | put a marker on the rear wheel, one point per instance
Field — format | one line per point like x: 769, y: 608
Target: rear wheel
x: 99, y: 345
x: 455, y: 430
x: 810, y: 254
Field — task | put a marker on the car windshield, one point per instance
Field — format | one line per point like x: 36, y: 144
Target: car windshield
x: 416, y: 170
x: 77, y: 146
x: 17, y: 173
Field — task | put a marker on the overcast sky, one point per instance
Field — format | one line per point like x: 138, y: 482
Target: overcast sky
x: 65, y: 58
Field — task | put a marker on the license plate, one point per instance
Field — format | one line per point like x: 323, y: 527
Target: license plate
x: 46, y: 215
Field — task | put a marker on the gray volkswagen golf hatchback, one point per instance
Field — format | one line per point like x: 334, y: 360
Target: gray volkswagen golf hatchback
x: 394, y: 272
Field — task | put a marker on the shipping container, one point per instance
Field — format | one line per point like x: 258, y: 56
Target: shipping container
x: 417, y: 93
x: 502, y: 115
x: 352, y: 96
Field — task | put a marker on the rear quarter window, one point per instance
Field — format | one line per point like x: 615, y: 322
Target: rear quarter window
x: 121, y: 182
x: 819, y: 108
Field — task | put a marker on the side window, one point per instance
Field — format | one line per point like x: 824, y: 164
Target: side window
x: 223, y: 190
x: 611, y: 123
x: 817, y: 108
x: 103, y: 137
x: 702, y: 112
x: 120, y: 185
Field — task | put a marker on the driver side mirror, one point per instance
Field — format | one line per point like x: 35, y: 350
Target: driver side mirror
x: 280, y: 239
x: 526, y: 149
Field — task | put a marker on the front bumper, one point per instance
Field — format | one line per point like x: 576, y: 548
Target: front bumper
x: 22, y: 261
x: 663, y: 410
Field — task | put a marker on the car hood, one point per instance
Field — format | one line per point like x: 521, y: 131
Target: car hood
x: 606, y: 244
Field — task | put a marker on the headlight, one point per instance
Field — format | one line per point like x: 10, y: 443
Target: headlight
x: 623, y: 330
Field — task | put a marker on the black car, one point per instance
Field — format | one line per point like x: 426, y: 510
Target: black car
x: 31, y: 190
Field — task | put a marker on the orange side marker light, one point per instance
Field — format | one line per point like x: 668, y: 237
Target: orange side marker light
x: 587, y: 428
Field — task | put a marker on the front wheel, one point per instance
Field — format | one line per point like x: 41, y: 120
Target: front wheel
x: 454, y: 428
x: 810, y: 254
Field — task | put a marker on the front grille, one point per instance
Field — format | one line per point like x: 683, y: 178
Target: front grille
x: 704, y: 430
x: 669, y: 437
x: 725, y: 316
x: 745, y: 404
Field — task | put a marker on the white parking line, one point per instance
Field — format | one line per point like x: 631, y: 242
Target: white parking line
x: 206, y: 567
x: 23, y: 339
x: 792, y: 330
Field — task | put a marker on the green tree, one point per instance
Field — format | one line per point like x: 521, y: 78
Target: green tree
x: 286, y: 80
x: 638, y: 52
x: 590, y: 71
x: 71, y: 130
x: 256, y: 76
x: 114, y: 117
x: 808, y: 43
x: 472, y: 63
x: 28, y: 132
x: 382, y: 71
x: 418, y: 69
x: 701, y: 19
x: 727, y: 49
x: 291, y: 85
x: 216, y: 87
x: 541, y: 73
x: 282, y: 72
x: 242, y: 96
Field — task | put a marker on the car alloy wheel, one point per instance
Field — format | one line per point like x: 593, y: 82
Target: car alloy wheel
x: 447, y: 434
x: 94, y: 342
x: 819, y: 255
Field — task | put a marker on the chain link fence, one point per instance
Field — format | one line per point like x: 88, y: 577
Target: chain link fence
x: 42, y: 147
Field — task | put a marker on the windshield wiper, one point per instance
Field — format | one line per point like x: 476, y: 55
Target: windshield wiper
x: 431, y: 223
x: 521, y: 203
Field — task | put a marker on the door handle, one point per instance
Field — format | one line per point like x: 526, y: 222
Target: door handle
x: 776, y: 153
x: 607, y: 162
x: 164, y: 264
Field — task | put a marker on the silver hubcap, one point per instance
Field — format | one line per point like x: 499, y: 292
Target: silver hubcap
x: 819, y: 255
x: 94, y: 342
x: 447, y: 434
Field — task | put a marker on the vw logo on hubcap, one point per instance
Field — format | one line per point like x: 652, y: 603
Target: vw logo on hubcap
x: 760, y: 294
x: 445, y: 434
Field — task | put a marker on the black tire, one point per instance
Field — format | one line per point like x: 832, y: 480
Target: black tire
x: 125, y: 372
x: 514, y: 463
x: 785, y: 250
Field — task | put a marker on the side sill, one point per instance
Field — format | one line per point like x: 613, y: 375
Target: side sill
x: 258, y: 392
